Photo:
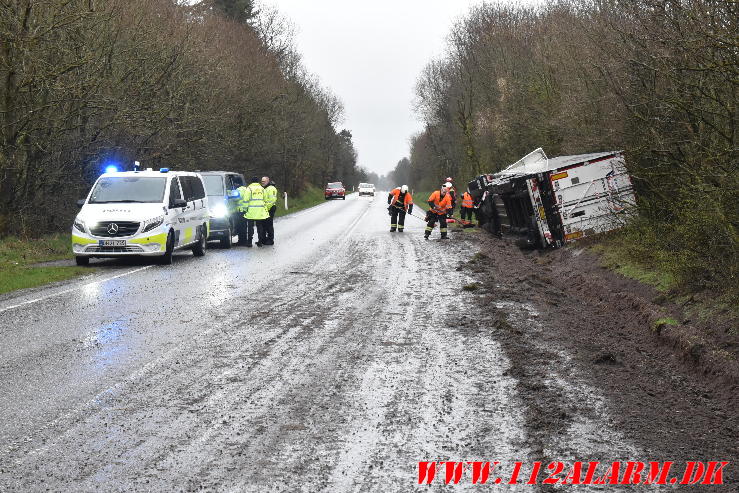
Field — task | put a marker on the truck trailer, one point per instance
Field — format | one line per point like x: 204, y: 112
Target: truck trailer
x: 551, y: 202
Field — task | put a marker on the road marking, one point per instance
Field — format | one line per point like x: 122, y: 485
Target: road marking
x: 59, y: 293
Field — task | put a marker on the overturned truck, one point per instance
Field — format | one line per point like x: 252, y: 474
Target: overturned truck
x: 550, y: 202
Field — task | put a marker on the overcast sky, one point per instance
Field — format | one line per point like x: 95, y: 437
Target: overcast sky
x: 369, y: 53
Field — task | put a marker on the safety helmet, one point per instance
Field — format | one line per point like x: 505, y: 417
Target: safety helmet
x: 447, y: 185
x: 449, y: 179
x: 404, y: 188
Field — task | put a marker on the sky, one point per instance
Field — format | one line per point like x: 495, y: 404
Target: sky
x: 370, y: 53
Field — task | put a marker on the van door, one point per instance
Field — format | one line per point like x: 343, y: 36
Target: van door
x: 200, y: 206
x: 176, y: 215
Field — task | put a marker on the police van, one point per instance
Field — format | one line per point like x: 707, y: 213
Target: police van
x: 147, y: 213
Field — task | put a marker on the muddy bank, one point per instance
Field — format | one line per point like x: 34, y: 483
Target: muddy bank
x: 670, y: 390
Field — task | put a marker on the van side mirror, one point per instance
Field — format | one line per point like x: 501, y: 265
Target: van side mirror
x: 177, y: 203
x: 80, y: 203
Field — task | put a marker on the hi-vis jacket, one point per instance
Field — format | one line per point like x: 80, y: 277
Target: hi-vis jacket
x: 467, y: 201
x: 400, y: 200
x: 252, y: 202
x: 439, y: 204
x: 270, y: 196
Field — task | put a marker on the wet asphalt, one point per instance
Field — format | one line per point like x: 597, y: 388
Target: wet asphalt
x: 332, y: 361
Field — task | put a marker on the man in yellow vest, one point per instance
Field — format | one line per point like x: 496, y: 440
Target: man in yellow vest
x: 270, y: 203
x: 255, y: 212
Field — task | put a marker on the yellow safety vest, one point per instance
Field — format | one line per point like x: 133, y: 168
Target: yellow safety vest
x: 252, y: 202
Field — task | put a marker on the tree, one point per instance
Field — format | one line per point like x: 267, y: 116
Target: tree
x: 241, y: 11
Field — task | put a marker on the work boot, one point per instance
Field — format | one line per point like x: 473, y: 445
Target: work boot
x: 400, y: 231
x: 444, y: 237
x: 259, y: 244
x: 426, y: 237
x: 248, y: 245
x: 392, y: 230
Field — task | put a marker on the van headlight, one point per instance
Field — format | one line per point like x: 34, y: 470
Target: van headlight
x: 79, y: 225
x: 219, y: 211
x: 153, y: 223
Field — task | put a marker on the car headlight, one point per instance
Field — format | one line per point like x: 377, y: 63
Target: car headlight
x: 153, y: 223
x: 219, y: 211
x: 79, y: 225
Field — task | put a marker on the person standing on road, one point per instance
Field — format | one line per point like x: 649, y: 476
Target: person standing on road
x: 252, y: 201
x: 439, y: 204
x: 400, y: 201
x: 468, y: 205
x: 270, y: 203
x: 453, y: 192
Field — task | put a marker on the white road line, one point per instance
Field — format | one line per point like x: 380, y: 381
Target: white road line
x: 59, y: 293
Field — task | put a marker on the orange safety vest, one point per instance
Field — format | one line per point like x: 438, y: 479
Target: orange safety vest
x: 441, y: 204
x: 467, y: 201
x: 407, y: 199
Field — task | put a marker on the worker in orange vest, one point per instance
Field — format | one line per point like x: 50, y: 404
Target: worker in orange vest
x: 468, y: 204
x: 400, y: 201
x: 453, y: 192
x: 440, y: 202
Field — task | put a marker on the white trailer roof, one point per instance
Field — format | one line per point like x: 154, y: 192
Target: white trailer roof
x: 537, y: 162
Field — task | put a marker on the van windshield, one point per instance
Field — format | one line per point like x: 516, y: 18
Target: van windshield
x: 128, y: 189
x: 214, y: 184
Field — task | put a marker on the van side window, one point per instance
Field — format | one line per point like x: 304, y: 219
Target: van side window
x: 187, y: 188
x: 174, y: 192
x: 197, y: 188
x: 237, y: 181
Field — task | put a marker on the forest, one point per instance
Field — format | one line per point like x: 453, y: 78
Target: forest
x: 212, y: 84
x: 656, y: 79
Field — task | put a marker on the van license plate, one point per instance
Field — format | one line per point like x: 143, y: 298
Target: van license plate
x: 113, y: 243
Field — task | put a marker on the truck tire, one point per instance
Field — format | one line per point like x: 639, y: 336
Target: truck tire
x: 82, y: 261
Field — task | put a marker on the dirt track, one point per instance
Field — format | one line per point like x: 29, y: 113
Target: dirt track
x: 336, y: 362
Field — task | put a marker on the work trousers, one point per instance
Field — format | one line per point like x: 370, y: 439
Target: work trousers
x: 397, y: 218
x: 269, y: 227
x: 250, y: 223
x: 241, y: 228
x: 467, y: 213
x: 432, y: 222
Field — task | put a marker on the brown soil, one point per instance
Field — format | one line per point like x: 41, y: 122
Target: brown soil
x: 672, y: 390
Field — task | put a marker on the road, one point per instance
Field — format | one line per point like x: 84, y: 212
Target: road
x: 333, y: 361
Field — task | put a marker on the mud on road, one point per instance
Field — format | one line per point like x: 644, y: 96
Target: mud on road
x: 356, y: 356
x: 583, y: 344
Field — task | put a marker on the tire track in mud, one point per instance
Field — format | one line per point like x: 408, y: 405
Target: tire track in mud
x: 566, y: 418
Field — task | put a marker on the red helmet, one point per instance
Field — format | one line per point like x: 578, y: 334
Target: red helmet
x: 449, y: 179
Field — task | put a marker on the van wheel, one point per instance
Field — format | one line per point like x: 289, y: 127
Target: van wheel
x: 343, y: 198
x: 199, y: 249
x: 166, y: 259
x: 226, y: 242
x: 82, y: 261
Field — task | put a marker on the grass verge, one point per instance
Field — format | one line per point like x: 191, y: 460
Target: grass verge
x: 18, y: 258
x: 618, y: 255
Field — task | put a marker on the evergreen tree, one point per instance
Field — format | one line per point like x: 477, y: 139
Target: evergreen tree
x: 238, y: 10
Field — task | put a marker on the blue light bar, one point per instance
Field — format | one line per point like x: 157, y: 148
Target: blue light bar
x: 164, y: 170
x: 111, y: 169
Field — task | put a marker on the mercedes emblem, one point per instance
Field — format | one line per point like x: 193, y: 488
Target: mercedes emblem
x: 112, y: 228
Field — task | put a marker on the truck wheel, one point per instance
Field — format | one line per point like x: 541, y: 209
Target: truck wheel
x: 166, y: 259
x: 226, y: 242
x: 343, y: 198
x: 82, y: 261
x: 199, y: 249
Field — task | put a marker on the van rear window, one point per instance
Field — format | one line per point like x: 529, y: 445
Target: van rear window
x: 128, y: 189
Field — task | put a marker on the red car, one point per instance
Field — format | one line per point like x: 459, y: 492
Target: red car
x: 335, y: 190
